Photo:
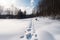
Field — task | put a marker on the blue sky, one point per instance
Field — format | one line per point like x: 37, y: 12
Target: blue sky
x: 27, y: 5
x: 26, y: 2
x: 23, y: 2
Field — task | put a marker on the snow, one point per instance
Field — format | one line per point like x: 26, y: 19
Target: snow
x: 43, y: 28
x: 13, y: 26
x: 43, y: 35
x: 47, y: 25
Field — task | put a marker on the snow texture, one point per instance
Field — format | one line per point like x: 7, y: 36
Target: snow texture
x: 43, y: 28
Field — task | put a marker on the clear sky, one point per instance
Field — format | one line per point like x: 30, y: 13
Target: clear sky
x: 22, y: 4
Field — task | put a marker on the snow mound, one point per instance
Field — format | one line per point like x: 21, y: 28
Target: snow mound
x: 43, y: 35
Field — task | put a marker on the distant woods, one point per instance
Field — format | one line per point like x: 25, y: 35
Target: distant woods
x: 21, y: 14
x: 48, y: 8
x: 45, y: 8
x: 13, y: 13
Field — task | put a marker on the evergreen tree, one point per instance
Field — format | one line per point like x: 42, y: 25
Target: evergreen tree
x: 20, y: 14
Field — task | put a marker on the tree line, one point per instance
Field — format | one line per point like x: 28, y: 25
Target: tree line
x: 49, y: 8
x: 13, y: 12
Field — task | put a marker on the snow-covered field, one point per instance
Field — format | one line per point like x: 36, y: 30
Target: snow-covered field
x: 30, y: 29
x: 45, y: 27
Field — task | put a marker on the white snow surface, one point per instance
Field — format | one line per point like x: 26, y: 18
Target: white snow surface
x: 11, y: 26
x: 45, y: 28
